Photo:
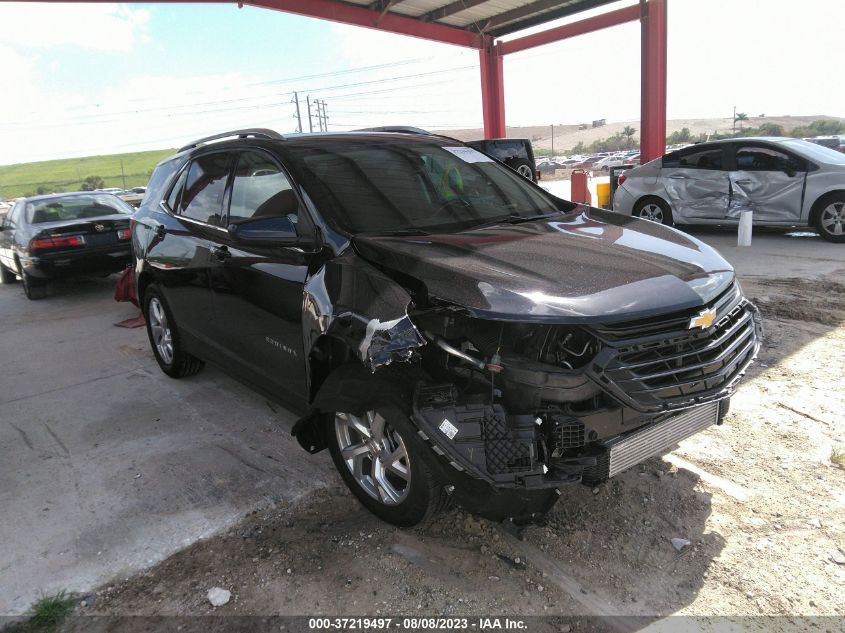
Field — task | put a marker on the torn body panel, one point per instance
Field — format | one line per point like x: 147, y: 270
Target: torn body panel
x: 697, y: 193
x: 352, y: 301
x: 773, y: 196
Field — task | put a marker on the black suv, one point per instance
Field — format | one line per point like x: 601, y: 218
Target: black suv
x: 516, y: 153
x: 446, y: 328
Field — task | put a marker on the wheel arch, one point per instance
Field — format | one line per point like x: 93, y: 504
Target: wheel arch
x: 819, y: 202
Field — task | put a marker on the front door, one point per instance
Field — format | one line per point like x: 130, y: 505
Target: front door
x: 258, y: 290
x: 696, y: 183
x: 768, y: 182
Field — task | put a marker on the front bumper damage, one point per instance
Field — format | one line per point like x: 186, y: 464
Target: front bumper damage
x: 519, y: 451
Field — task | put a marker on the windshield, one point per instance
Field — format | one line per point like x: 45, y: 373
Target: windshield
x: 813, y: 151
x: 75, y: 208
x: 409, y: 185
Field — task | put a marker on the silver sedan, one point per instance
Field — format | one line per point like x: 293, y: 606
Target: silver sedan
x: 784, y: 181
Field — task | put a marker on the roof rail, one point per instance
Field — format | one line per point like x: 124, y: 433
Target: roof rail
x: 404, y: 129
x: 257, y: 132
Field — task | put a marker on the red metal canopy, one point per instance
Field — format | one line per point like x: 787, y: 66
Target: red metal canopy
x: 478, y: 24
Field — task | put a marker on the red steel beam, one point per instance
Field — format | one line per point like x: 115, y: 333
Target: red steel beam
x: 362, y: 16
x: 603, y: 21
x: 492, y: 89
x: 653, y: 80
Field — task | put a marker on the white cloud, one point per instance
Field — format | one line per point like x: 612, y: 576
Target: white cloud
x: 100, y: 27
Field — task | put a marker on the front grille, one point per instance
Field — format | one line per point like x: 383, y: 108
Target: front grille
x: 661, y: 364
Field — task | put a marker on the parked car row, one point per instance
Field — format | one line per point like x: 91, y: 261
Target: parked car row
x: 601, y: 162
x: 783, y: 181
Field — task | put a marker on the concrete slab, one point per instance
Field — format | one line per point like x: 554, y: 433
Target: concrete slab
x: 108, y: 466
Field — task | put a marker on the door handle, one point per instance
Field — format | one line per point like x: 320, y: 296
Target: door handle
x: 221, y: 252
x: 677, y: 177
x: 745, y: 181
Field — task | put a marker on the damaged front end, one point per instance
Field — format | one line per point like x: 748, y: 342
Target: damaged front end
x: 515, y: 410
x: 533, y: 406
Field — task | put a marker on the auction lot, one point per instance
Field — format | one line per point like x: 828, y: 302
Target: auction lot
x: 110, y: 468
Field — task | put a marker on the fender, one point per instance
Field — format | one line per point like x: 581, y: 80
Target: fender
x: 354, y: 302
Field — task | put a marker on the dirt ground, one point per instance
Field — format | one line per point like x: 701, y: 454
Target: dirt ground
x: 758, y: 498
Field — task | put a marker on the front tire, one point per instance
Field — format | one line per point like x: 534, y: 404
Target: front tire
x: 654, y: 210
x: 164, y: 338
x: 381, y: 460
x: 830, y: 218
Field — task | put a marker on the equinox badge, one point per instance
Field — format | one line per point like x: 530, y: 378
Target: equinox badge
x: 703, y: 319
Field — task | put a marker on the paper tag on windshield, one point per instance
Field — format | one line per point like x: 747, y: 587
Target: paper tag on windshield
x: 469, y: 155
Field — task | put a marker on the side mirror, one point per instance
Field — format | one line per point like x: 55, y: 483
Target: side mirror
x: 265, y: 231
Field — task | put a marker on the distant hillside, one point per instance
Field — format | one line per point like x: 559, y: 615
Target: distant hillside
x: 67, y: 174
x: 568, y: 136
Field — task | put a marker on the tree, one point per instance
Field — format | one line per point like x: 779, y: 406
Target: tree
x: 770, y: 129
x: 740, y: 116
x: 91, y: 183
x: 628, y: 133
x: 580, y: 148
x: 679, y: 136
x: 42, y: 189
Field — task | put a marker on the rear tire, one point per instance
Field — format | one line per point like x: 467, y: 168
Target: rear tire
x: 382, y: 461
x: 7, y: 276
x: 830, y: 217
x: 523, y: 168
x: 654, y: 210
x: 33, y: 288
x: 164, y: 338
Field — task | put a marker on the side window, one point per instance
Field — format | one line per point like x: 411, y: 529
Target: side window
x: 750, y: 158
x: 158, y: 180
x: 261, y: 190
x: 173, y: 198
x: 707, y: 158
x: 11, y: 218
x: 202, y: 197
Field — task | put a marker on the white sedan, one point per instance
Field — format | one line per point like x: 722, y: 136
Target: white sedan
x: 784, y: 181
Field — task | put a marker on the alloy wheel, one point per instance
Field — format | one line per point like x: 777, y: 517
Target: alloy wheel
x: 375, y: 455
x: 524, y: 170
x: 652, y: 212
x: 162, y: 335
x: 833, y: 218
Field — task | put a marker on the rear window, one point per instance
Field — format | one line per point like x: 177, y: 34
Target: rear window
x: 75, y: 208
x: 704, y: 158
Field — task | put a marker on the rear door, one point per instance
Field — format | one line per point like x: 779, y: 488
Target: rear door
x: 696, y: 183
x: 768, y: 181
x: 258, y: 290
x: 184, y: 252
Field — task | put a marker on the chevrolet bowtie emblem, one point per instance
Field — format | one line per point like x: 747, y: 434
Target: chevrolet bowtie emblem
x: 99, y: 227
x: 703, y: 319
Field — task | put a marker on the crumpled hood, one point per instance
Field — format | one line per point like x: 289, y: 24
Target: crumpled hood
x: 586, y: 265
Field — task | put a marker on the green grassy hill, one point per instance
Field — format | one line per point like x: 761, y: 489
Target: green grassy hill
x: 67, y: 174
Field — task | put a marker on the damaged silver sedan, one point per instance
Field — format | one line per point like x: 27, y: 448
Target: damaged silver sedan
x: 785, y: 182
x: 451, y: 332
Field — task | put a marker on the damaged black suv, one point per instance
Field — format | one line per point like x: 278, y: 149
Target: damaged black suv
x: 446, y: 328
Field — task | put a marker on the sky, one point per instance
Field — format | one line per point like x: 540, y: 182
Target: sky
x: 85, y: 79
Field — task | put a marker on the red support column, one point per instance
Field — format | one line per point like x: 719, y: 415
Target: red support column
x: 653, y: 80
x: 492, y: 89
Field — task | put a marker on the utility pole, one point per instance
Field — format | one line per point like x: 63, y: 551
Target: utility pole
x: 122, y: 174
x: 324, y: 118
x: 298, y: 117
x: 310, y: 123
x: 553, y: 139
x: 319, y: 114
